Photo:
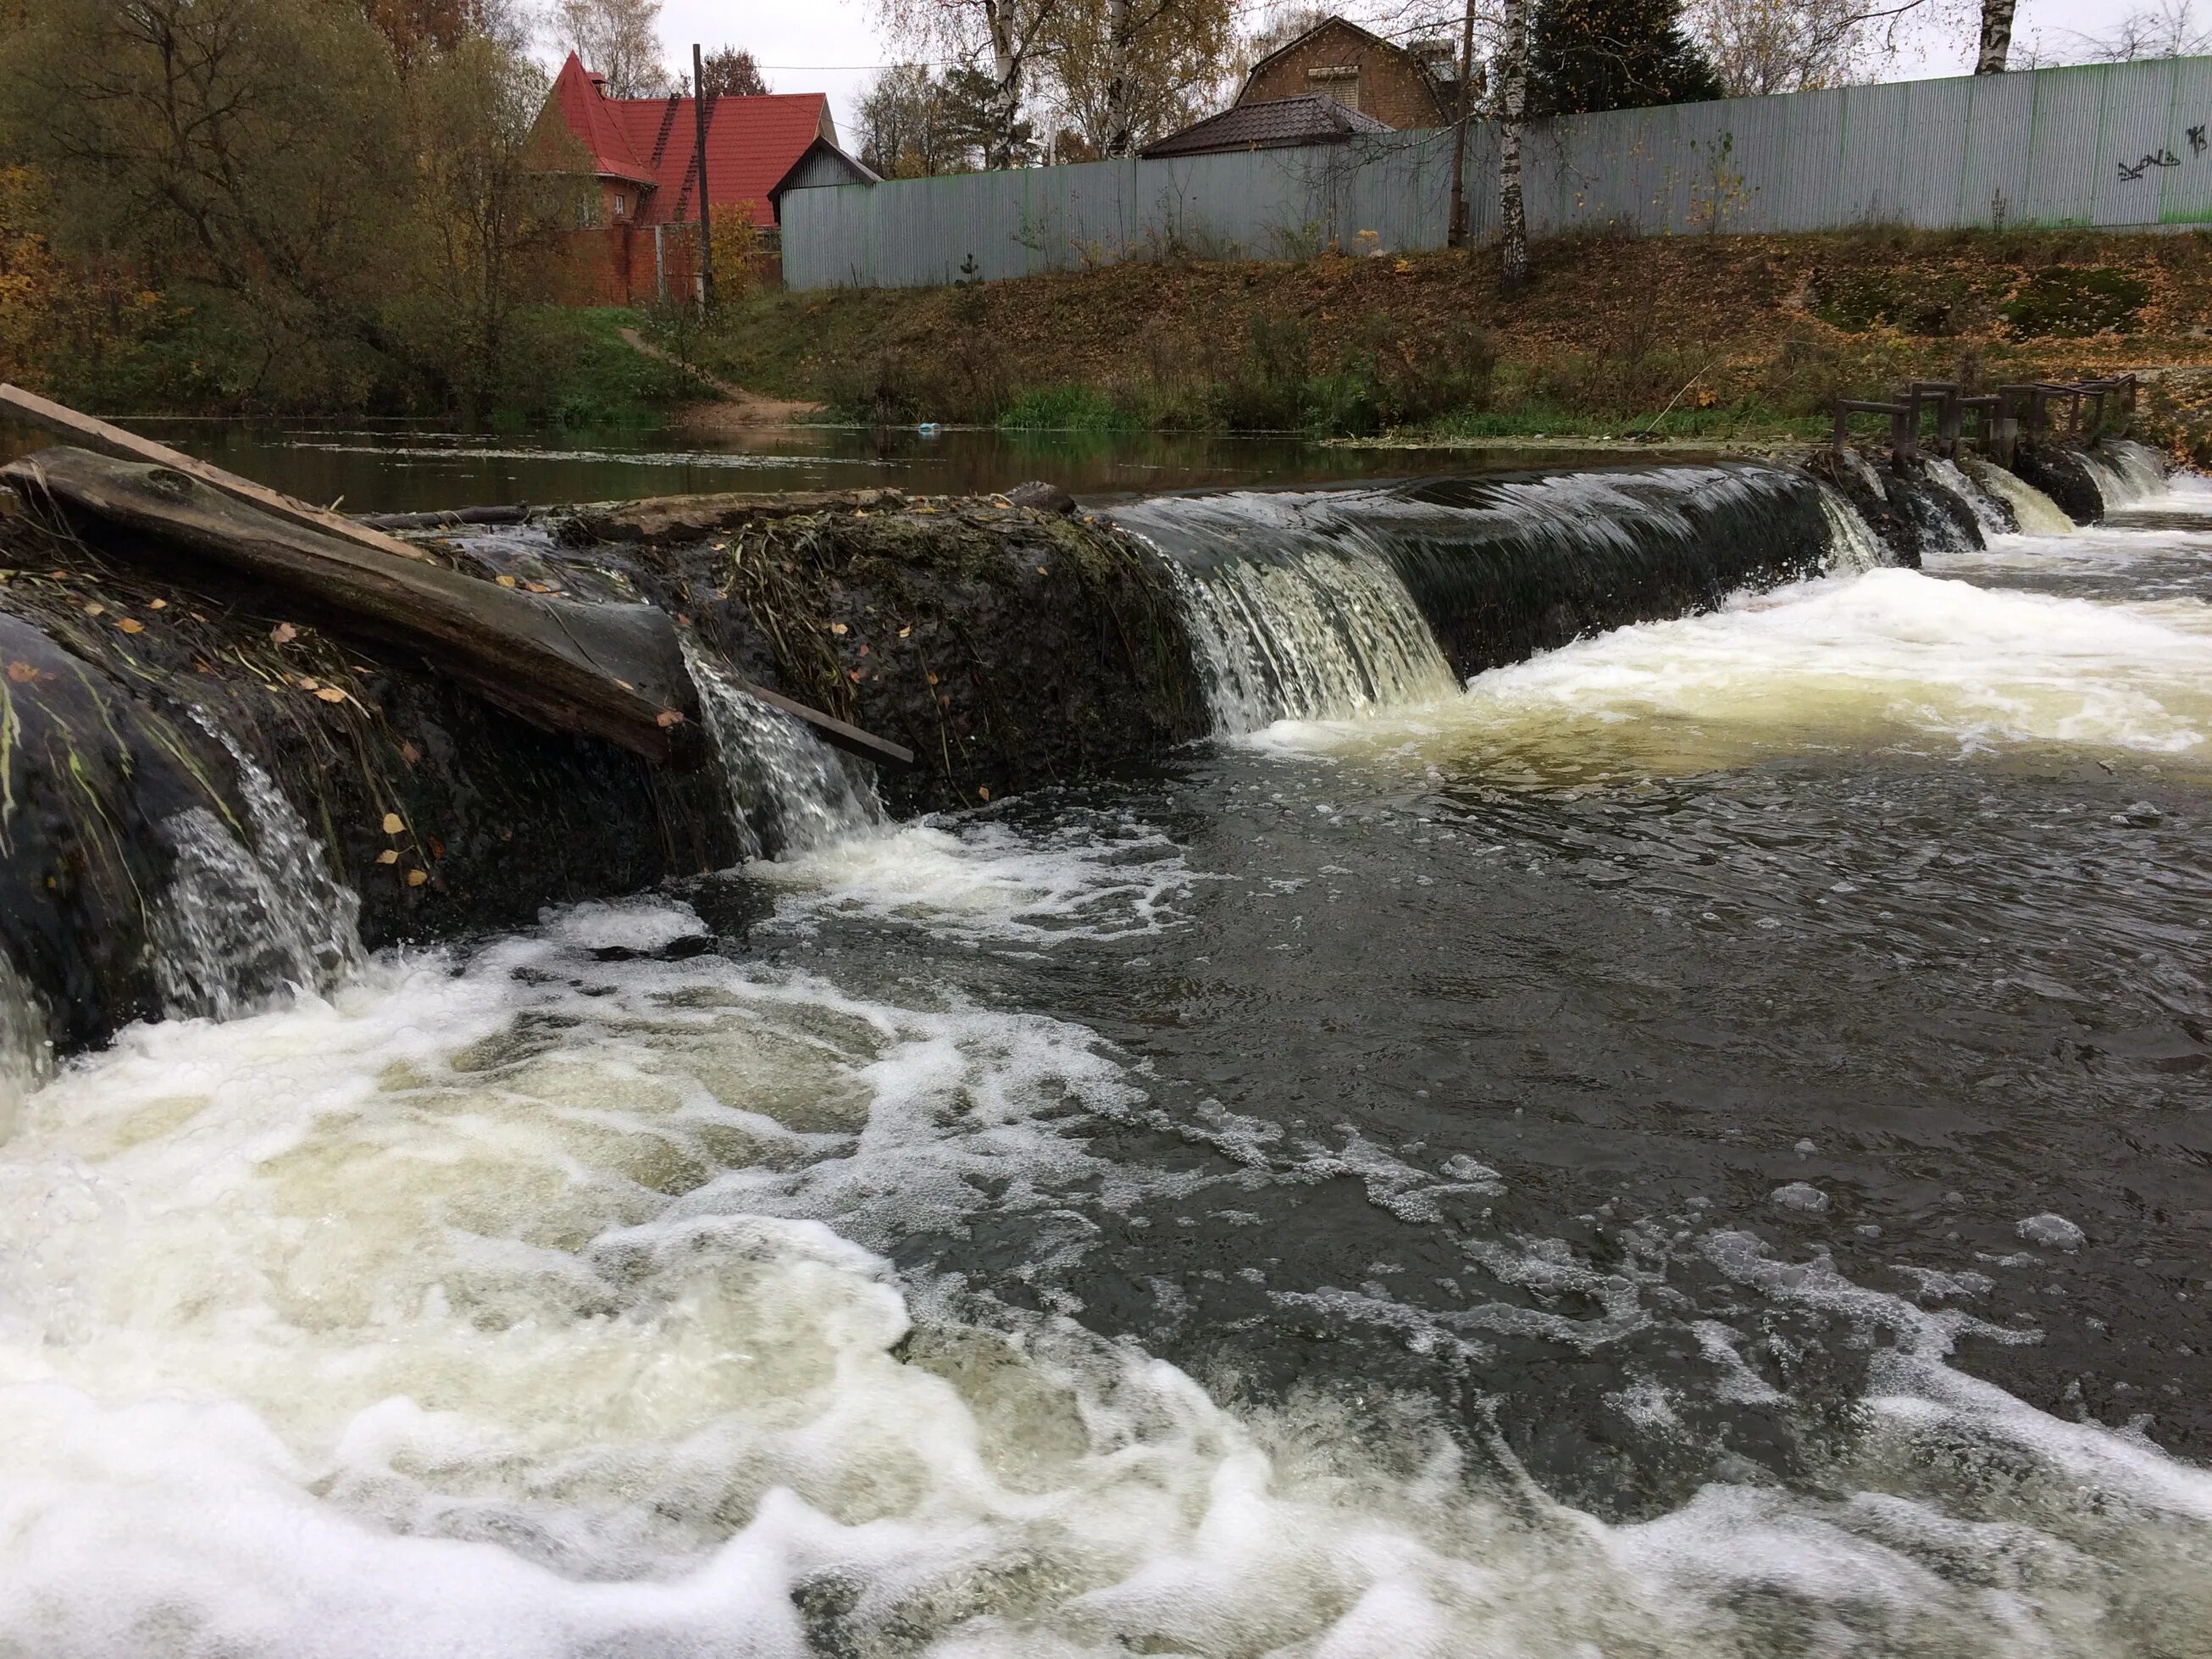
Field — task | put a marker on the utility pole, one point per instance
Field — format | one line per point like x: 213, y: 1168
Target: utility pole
x: 706, y: 228
x: 1455, y: 232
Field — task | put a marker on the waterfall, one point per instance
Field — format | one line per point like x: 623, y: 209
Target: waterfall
x: 2124, y: 472
x: 1853, y: 549
x: 2035, y: 513
x: 787, y: 790
x: 1988, y: 513
x: 26, y: 1051
x: 238, y: 923
x: 1323, y: 603
x: 1292, y: 618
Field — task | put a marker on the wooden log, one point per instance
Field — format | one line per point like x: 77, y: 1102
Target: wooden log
x: 452, y: 518
x: 87, y: 432
x: 661, y: 517
x: 613, y: 671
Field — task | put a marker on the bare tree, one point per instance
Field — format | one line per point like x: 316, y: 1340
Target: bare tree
x: 1010, y: 33
x: 2167, y: 28
x: 1761, y: 47
x: 618, y: 39
x: 492, y: 212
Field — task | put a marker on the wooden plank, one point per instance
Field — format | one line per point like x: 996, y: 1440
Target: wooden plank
x: 867, y: 744
x: 98, y: 435
x: 613, y: 671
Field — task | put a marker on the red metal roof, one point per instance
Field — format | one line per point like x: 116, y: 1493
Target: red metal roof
x: 751, y: 143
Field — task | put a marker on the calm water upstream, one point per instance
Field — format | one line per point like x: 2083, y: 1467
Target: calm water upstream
x: 408, y: 467
x: 1699, y: 1143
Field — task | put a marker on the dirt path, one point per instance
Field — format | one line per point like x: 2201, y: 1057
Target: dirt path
x: 736, y: 407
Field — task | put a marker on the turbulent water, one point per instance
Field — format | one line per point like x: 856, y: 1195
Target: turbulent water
x: 243, y: 913
x: 1693, y: 1143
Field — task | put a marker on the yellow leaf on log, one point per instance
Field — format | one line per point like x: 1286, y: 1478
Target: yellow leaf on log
x: 393, y: 823
x: 387, y: 856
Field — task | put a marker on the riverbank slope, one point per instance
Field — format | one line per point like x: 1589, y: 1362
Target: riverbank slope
x: 1714, y: 337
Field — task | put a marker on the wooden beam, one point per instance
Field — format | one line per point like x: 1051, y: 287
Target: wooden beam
x: 867, y: 744
x: 612, y: 671
x: 98, y: 435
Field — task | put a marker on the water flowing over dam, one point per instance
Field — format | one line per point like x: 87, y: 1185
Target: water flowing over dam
x: 1627, y: 1078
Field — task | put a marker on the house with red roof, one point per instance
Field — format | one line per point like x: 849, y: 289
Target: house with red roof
x: 644, y: 154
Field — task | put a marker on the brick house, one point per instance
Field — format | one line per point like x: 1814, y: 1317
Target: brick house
x: 1402, y: 87
x: 641, y: 240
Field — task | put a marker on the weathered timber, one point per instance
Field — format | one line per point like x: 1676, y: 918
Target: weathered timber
x: 613, y: 671
x: 675, y: 517
x: 87, y: 433
x: 450, y: 518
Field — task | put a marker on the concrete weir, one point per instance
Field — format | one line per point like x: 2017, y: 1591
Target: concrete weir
x: 218, y: 781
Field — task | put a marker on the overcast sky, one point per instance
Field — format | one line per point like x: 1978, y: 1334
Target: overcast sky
x: 834, y: 45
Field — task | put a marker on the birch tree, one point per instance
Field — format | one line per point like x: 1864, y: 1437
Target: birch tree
x: 1008, y: 33
x: 1997, y: 36
x: 1512, y: 106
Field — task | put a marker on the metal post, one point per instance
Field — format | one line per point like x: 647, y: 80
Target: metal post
x: 706, y: 227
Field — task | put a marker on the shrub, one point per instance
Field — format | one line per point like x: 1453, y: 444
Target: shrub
x: 1071, y: 407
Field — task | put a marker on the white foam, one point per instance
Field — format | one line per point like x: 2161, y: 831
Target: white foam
x: 531, y: 1305
x: 1891, y: 656
x: 968, y: 879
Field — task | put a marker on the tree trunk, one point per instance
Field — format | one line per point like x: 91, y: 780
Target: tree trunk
x: 1997, y: 36
x: 1513, y: 88
x: 1006, y: 69
x: 1121, y: 89
x: 1455, y: 232
x: 612, y: 671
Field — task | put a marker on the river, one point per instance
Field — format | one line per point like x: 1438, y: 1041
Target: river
x: 412, y: 466
x: 1695, y: 1144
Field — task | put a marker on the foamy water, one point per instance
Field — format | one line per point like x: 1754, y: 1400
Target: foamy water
x: 971, y: 879
x: 1891, y: 656
x: 535, y: 1305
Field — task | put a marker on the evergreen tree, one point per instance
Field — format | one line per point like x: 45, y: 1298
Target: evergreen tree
x: 1591, y: 55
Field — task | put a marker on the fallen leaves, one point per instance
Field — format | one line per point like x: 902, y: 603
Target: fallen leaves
x: 387, y: 856
x: 908, y: 630
x: 504, y: 580
x: 283, y: 633
x: 130, y: 625
x: 157, y: 604
x: 668, y: 717
x: 95, y: 608
x: 393, y: 823
x: 838, y: 628
x: 408, y: 752
x: 417, y: 878
x: 331, y: 694
x: 24, y: 673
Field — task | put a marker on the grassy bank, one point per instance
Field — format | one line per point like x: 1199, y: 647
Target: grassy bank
x: 1706, y: 336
